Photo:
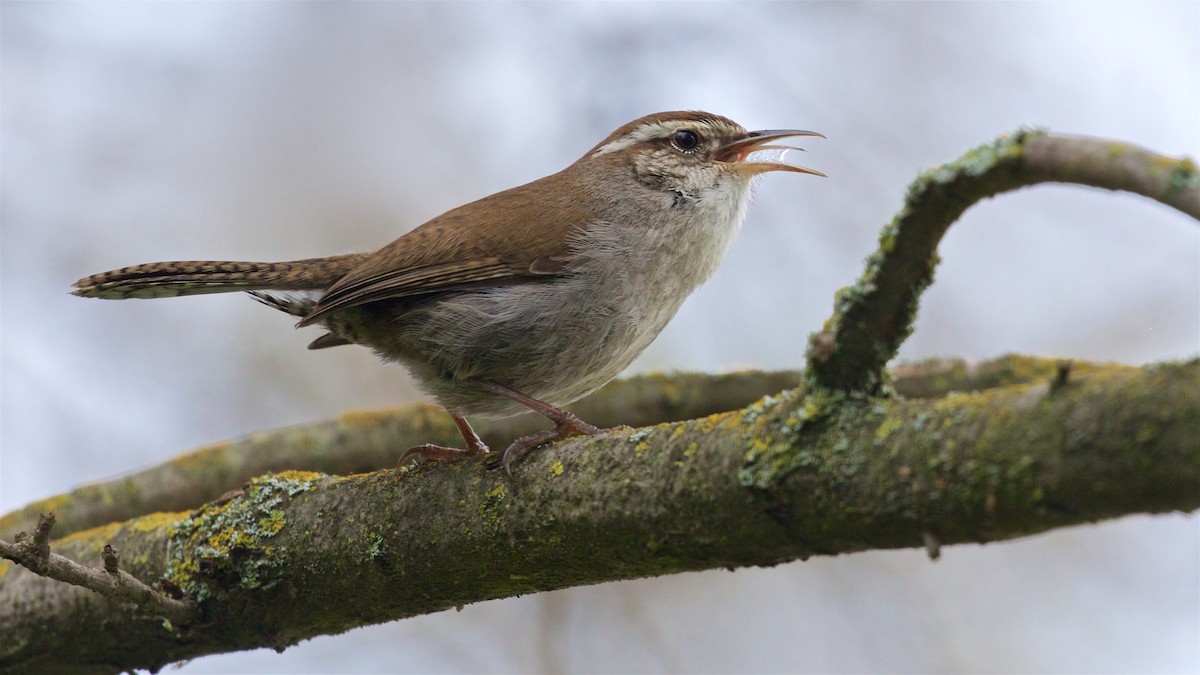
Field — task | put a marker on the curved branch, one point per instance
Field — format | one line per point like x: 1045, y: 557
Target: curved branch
x: 873, y: 317
x: 1113, y: 166
x: 300, y: 554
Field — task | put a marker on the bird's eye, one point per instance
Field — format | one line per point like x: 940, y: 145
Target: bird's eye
x: 686, y: 139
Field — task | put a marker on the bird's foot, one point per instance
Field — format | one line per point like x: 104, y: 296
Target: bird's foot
x: 475, y: 446
x: 430, y: 451
x: 566, y: 426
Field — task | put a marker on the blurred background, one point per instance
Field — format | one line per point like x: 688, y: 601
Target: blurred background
x: 134, y: 132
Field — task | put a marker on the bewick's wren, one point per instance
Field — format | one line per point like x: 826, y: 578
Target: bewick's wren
x: 532, y: 297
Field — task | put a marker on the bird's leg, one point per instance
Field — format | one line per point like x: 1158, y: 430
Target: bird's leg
x: 565, y: 424
x: 475, y: 445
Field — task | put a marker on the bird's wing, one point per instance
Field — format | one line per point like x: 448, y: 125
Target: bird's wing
x: 519, y: 235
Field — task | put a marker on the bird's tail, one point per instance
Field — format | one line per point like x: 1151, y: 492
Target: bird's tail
x: 170, y: 279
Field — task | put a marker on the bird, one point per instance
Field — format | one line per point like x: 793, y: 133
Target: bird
x: 527, y: 299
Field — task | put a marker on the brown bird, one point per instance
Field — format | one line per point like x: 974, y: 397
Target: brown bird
x: 532, y: 297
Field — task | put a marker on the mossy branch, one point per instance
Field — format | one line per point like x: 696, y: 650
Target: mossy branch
x: 359, y: 442
x: 296, y: 554
x: 873, y: 317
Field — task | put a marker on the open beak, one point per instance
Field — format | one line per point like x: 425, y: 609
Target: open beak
x: 735, y: 153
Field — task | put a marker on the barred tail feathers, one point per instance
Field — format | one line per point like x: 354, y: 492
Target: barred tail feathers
x: 171, y: 279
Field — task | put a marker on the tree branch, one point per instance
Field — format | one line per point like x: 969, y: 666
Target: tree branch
x: 358, y: 442
x: 873, y: 317
x: 34, y: 554
x: 301, y: 554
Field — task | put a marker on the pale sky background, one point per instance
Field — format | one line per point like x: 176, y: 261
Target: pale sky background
x: 135, y: 132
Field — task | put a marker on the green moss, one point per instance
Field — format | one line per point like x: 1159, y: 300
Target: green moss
x: 976, y: 161
x: 491, y: 510
x: 1184, y: 176
x: 751, y: 412
x: 376, y: 550
x: 765, y: 463
x: 272, y: 523
x: 884, y: 430
x: 640, y: 435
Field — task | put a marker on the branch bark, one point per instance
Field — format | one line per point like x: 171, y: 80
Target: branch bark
x: 301, y: 554
x: 358, y: 442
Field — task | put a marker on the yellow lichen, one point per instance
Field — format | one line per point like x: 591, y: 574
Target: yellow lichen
x: 708, y: 424
x: 672, y: 392
x: 24, y: 518
x: 95, y: 537
x: 201, y: 458
x: 889, y: 425
x: 272, y: 523
x: 302, y: 476
x: 153, y: 521
x: 367, y: 419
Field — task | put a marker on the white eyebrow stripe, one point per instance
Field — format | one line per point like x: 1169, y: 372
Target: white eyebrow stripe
x: 643, y: 133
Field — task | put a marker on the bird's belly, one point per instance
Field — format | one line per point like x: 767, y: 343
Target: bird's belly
x: 554, y: 340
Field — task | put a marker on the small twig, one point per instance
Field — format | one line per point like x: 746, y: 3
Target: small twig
x: 36, y: 549
x: 933, y: 545
x: 112, y: 559
x: 34, y: 554
x: 1062, y: 375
